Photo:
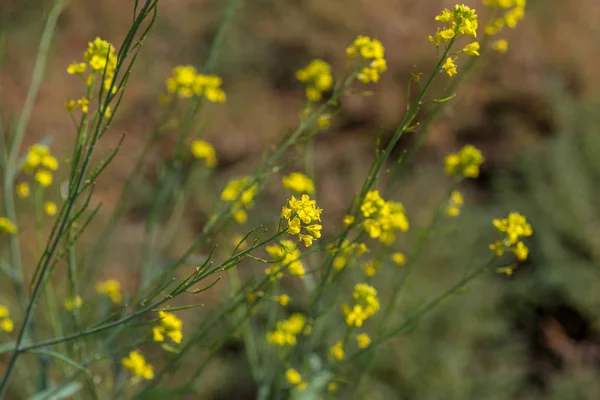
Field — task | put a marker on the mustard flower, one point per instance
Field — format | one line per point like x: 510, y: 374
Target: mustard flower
x: 383, y: 217
x: 23, y: 190
x: 511, y: 12
x: 372, y: 53
x: 337, y: 351
x: 110, y: 288
x: 44, y: 177
x: 287, y: 255
x: 72, y: 303
x: 301, y: 215
x: 182, y: 81
x: 472, y: 49
x: 346, y: 251
x: 283, y: 299
x: 348, y: 220
x: 203, y: 150
x: 295, y: 378
x: 298, y: 182
x: 286, y: 331
x: 100, y: 55
x: 365, y: 305
x: 7, y: 226
x: 6, y: 324
x: 137, y: 365
x: 455, y: 203
x: 371, y: 268
x: 324, y: 121
x: 39, y: 156
x: 466, y: 162
x: 462, y: 21
x: 76, y: 68
x: 363, y: 340
x: 317, y: 77
x: 513, y: 228
x: 168, y: 325
x: 50, y: 208
x: 209, y: 86
x: 501, y: 46
x: 449, y: 67
x: 399, y: 259
x: 242, y: 201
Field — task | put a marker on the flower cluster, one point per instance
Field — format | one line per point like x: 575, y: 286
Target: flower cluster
x: 7, y: 226
x: 137, y: 365
x: 168, y: 325
x: 298, y: 182
x: 372, y: 52
x: 365, y: 306
x: 73, y: 303
x: 337, y: 351
x: 371, y: 267
x: 317, y: 77
x: 363, y: 340
x: 6, y: 324
x: 512, y: 12
x: 110, y: 288
x: 287, y: 255
x: 383, y: 217
x: 345, y: 252
x: 462, y: 21
x: 301, y: 214
x: 466, y: 162
x: 101, y: 58
x: 241, y: 193
x: 50, y: 208
x: 40, y: 160
x: 514, y: 227
x: 454, y: 204
x: 203, y: 150
x: 286, y: 331
x: 186, y: 82
x: 398, y: 259
x: 295, y: 378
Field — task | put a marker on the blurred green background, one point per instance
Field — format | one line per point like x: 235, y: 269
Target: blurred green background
x: 533, y: 112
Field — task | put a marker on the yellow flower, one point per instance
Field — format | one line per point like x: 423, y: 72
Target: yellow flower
x: 209, y: 86
x: 72, y: 303
x: 298, y: 182
x: 399, y: 259
x: 50, y: 208
x: 455, y: 204
x: 449, y: 67
x: 110, y: 288
x: 501, y: 46
x: 324, y: 121
x: 283, y: 299
x: 383, y: 217
x: 44, y: 177
x: 286, y: 331
x: 366, y: 305
x: 348, y: 220
x: 287, y: 255
x: 100, y: 54
x: 301, y: 214
x: 76, y: 68
x: 7, y: 226
x: 137, y: 365
x: 466, y: 162
x: 372, y: 52
x: 511, y: 12
x: 168, y: 325
x: 241, y: 190
x: 337, y: 351
x: 203, y: 150
x: 332, y: 387
x: 6, y: 324
x: 472, y: 49
x: 363, y: 340
x: 371, y: 268
x: 295, y: 378
x: 513, y: 228
x: 317, y: 77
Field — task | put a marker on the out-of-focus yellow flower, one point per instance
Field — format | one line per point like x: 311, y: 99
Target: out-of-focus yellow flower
x: 168, y: 325
x: 287, y: 255
x: 298, y: 182
x: 50, y: 208
x: 501, y: 46
x: 466, y: 162
x: 399, y: 259
x: 186, y: 82
x: 283, y: 299
x: 137, y: 365
x: 371, y: 268
x: 295, y: 378
x: 337, y: 351
x: 76, y: 68
x: 246, y: 198
x: 455, y: 204
x: 363, y: 340
x: 44, y: 177
x: 317, y: 77
x: 203, y: 150
x: 6, y: 324
x: 7, y: 226
x: 286, y: 331
x: 110, y: 288
x: 365, y: 306
x: 511, y: 12
x: 371, y: 52
x: 383, y: 218
x: 72, y: 303
x: 23, y: 190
